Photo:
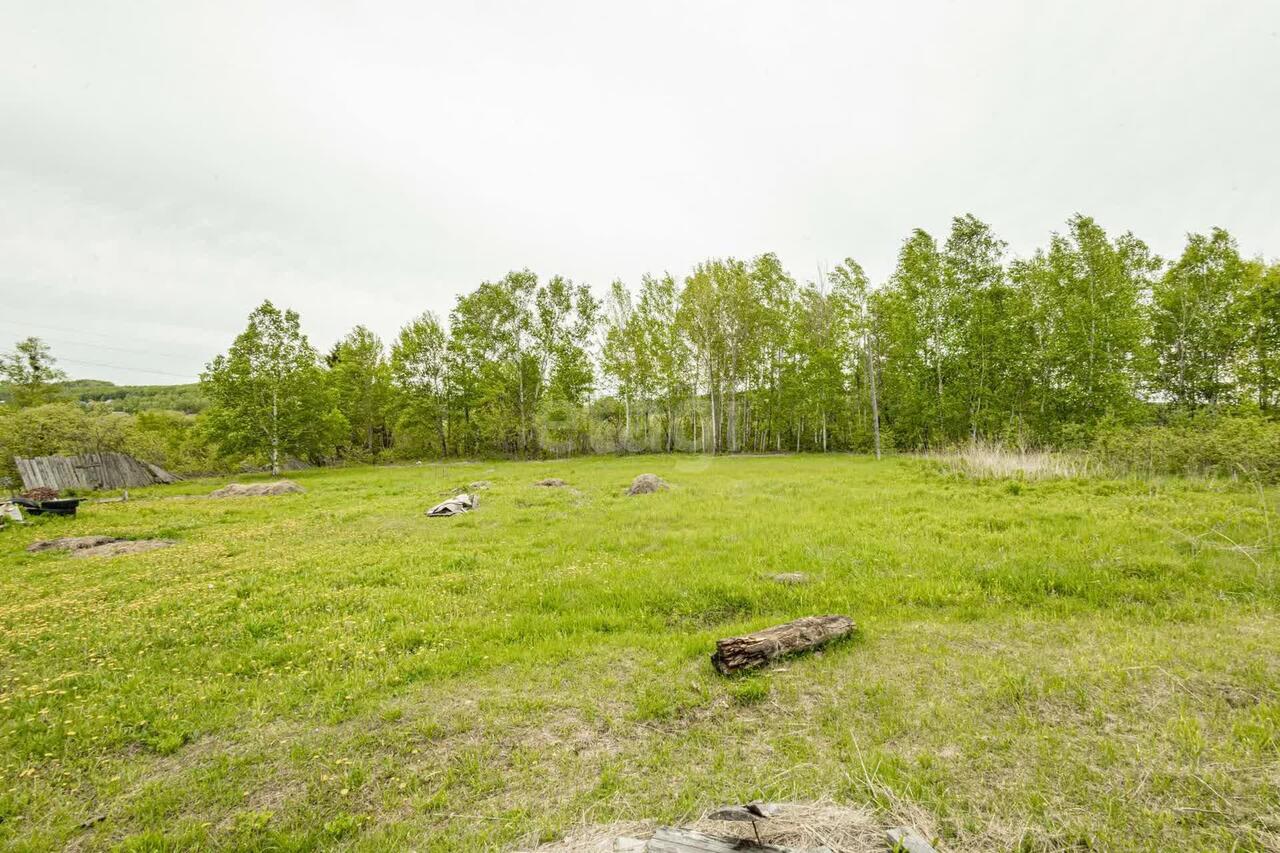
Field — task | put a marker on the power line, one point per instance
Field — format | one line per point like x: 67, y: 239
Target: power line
x: 96, y: 334
x: 67, y: 342
x: 23, y: 325
x: 186, y: 376
x: 70, y: 343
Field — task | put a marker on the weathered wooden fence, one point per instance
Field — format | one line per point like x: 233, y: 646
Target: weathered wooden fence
x: 90, y: 471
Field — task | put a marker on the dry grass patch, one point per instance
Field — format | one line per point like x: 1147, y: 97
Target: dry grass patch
x: 243, y: 490
x: 983, y: 461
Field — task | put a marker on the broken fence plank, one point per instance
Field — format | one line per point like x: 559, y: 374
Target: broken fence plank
x: 754, y: 650
x: 752, y: 811
x: 89, y: 471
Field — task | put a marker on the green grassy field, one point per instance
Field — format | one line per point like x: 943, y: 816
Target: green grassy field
x: 1069, y: 664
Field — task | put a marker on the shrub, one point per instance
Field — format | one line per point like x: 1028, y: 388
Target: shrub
x: 168, y: 439
x: 1213, y: 445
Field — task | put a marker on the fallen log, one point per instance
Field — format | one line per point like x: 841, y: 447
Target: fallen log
x: 754, y: 650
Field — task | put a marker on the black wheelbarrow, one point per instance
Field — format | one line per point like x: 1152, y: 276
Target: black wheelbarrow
x: 56, y: 506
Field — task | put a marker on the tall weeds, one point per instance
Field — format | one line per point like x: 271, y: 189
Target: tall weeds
x: 988, y: 461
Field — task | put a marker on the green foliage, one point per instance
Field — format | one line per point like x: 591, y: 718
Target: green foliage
x: 172, y: 440
x: 1245, y: 446
x: 175, y: 441
x: 30, y: 373
x: 1194, y: 322
x: 1087, y: 327
x: 1258, y: 317
x: 137, y: 398
x: 420, y: 382
x: 270, y: 398
x: 123, y: 398
x: 959, y: 346
x: 360, y: 378
x: 55, y: 428
x: 515, y: 348
x: 912, y: 322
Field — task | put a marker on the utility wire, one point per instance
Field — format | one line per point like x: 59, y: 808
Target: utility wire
x: 96, y: 334
x: 70, y: 343
x: 23, y: 325
x: 186, y: 376
x: 67, y: 342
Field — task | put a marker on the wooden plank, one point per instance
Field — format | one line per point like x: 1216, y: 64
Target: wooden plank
x: 24, y: 472
x: 753, y: 811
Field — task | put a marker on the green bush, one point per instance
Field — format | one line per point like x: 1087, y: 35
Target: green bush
x: 1225, y: 445
x: 171, y: 440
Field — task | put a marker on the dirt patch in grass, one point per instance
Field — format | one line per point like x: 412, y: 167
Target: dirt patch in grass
x: 552, y: 483
x: 99, y: 546
x: 253, y: 490
x: 123, y: 547
x: 70, y: 543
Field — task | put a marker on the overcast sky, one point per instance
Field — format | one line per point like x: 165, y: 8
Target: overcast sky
x: 165, y: 166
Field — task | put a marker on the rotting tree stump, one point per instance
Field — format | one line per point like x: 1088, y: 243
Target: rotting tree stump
x: 755, y: 650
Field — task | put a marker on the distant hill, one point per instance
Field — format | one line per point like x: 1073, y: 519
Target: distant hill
x: 129, y: 398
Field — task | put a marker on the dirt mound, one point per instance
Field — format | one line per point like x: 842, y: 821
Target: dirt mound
x: 40, y: 493
x: 70, y: 543
x: 552, y: 483
x: 241, y: 490
x: 647, y: 484
x: 791, y: 578
x: 99, y: 546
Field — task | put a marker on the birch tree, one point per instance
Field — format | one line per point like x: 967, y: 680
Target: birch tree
x: 664, y: 352
x: 30, y: 372
x: 913, y: 313
x: 420, y: 379
x: 361, y: 380
x: 701, y: 317
x: 1195, y: 322
x: 1259, y: 320
x: 268, y: 393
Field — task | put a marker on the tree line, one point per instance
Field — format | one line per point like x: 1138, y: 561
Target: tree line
x: 960, y: 343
